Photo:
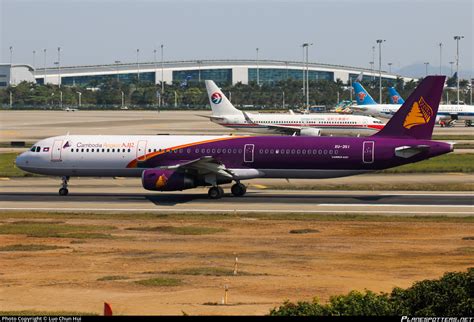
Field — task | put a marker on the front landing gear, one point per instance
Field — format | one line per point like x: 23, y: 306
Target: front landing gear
x: 215, y: 192
x: 64, y: 191
x: 238, y: 189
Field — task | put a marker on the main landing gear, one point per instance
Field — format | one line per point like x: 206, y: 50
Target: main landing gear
x: 63, y: 191
x: 238, y: 190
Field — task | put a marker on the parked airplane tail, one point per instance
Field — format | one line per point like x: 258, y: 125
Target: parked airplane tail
x: 220, y: 105
x: 362, y: 96
x: 416, y: 117
x: 394, y: 97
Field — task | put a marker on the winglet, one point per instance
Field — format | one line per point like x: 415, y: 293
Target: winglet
x: 416, y: 117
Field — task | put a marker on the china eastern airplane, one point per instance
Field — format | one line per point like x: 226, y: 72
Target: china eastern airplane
x: 171, y: 163
x: 225, y: 114
x: 367, y: 105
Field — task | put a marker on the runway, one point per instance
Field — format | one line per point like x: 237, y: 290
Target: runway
x: 126, y: 195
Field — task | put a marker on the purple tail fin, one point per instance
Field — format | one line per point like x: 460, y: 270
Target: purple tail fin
x: 416, y: 117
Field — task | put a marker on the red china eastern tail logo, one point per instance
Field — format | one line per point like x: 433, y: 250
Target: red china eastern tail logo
x: 361, y: 96
x: 395, y: 99
x: 216, y: 98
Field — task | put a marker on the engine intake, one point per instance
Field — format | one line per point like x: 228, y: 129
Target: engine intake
x: 308, y: 131
x: 166, y: 180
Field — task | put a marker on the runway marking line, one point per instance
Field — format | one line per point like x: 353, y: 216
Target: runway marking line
x: 240, y: 210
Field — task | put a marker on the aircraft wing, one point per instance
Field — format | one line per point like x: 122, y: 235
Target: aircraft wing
x: 285, y: 129
x: 213, y: 118
x: 204, y: 165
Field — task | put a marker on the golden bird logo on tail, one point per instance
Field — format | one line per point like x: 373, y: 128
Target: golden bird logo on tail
x: 419, y: 114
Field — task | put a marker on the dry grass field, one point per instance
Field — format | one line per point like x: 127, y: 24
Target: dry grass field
x: 155, y: 264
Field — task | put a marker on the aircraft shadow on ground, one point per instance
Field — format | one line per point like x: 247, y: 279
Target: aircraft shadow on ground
x: 171, y: 199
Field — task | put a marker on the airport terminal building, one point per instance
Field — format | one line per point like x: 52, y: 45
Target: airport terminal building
x: 221, y: 71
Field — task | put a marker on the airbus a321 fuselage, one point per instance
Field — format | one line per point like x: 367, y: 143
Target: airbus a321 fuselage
x: 170, y: 163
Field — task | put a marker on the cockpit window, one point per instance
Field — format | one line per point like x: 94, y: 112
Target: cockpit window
x: 33, y: 148
x: 38, y: 148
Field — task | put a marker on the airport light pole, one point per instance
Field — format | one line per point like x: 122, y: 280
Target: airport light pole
x: 123, y: 99
x: 199, y: 62
x: 440, y: 56
x: 44, y: 65
x: 34, y: 64
x: 11, y: 55
x: 11, y: 99
x: 372, y: 68
x: 304, y: 74
x: 451, y: 63
x: 117, y: 68
x: 373, y: 63
x: 390, y: 67
x: 79, y: 94
x: 426, y: 68
x: 457, y: 38
x: 154, y: 62
x: 380, y: 41
x: 162, y: 77
x: 59, y: 67
x: 306, y: 45
x: 258, y: 71
x: 138, y: 66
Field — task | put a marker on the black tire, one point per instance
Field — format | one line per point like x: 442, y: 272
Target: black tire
x: 238, y: 190
x: 215, y: 192
x: 63, y: 192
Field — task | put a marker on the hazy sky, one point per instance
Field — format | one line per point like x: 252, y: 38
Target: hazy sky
x: 343, y: 31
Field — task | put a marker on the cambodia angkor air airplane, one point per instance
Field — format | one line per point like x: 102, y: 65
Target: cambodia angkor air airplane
x: 367, y: 105
x: 170, y: 163
x: 225, y: 114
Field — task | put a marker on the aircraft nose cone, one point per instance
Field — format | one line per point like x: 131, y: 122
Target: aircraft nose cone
x: 21, y: 161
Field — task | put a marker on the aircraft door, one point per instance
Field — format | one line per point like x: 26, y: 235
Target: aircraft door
x: 368, y: 150
x: 56, y: 150
x: 248, y: 152
x: 141, y: 150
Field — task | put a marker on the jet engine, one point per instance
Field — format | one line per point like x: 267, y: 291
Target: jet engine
x: 310, y: 132
x: 166, y: 180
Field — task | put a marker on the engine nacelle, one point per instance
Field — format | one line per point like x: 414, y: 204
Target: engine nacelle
x: 310, y: 132
x: 166, y: 180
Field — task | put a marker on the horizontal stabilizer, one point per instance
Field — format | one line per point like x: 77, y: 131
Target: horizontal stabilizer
x: 410, y: 151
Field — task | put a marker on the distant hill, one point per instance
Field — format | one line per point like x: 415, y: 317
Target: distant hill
x: 418, y: 70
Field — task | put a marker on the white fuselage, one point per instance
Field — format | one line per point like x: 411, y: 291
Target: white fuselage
x: 327, y: 124
x: 445, y: 112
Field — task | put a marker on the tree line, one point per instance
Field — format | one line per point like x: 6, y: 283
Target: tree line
x: 275, y: 95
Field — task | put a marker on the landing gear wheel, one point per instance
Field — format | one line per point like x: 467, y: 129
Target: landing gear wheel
x: 216, y: 192
x: 238, y: 190
x: 63, y: 192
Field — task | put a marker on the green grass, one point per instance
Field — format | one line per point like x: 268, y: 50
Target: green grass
x: 28, y: 248
x: 185, y: 230
x: 204, y: 271
x: 463, y: 186
x: 42, y: 229
x: 8, y: 168
x: 208, y: 216
x: 45, y: 313
x: 160, y: 282
x: 444, y: 163
x: 456, y: 137
x: 304, y: 231
x: 113, y: 278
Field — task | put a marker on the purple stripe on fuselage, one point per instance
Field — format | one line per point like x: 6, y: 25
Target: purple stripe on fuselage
x: 302, y: 153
